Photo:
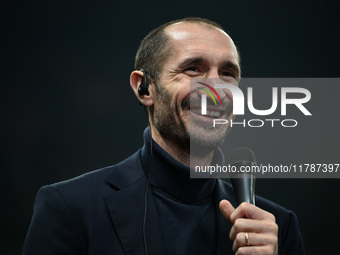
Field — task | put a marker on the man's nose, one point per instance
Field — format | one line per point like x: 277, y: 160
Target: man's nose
x: 213, y: 74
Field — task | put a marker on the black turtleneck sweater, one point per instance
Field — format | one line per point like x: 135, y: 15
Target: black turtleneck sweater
x: 186, y: 207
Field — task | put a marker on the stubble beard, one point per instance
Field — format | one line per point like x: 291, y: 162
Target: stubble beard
x: 164, y: 120
x: 185, y: 133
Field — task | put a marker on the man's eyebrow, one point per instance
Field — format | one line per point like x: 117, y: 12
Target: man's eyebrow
x: 231, y: 65
x: 196, y: 60
x: 190, y: 61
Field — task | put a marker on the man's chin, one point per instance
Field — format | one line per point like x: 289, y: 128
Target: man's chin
x: 207, y: 139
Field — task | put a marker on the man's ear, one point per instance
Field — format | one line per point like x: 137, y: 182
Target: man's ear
x: 136, y: 79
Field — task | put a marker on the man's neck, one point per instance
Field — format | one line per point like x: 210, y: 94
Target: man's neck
x: 185, y: 156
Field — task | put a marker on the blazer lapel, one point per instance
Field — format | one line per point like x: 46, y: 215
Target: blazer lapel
x: 224, y: 244
x: 126, y: 208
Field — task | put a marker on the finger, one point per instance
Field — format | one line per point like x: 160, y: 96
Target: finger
x: 250, y: 225
x: 253, y: 239
x: 246, y: 210
x: 226, y: 209
x: 257, y: 250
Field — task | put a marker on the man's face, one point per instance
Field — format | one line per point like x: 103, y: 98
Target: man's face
x: 202, y: 52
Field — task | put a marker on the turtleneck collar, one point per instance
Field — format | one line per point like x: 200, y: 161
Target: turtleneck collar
x: 173, y: 177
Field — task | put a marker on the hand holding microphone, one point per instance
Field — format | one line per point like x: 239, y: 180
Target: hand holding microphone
x: 254, y: 230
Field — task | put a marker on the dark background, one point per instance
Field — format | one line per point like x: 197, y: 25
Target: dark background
x: 67, y: 107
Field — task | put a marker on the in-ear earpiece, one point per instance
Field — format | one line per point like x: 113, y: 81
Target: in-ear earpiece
x: 143, y: 87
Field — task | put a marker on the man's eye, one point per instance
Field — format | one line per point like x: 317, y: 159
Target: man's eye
x: 192, y: 69
x: 227, y: 74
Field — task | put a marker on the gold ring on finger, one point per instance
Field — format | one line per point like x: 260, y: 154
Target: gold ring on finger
x: 246, y: 236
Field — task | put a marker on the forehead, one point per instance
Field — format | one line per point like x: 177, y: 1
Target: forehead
x: 187, y: 38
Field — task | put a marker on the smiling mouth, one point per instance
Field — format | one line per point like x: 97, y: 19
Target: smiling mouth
x: 212, y: 113
x: 193, y: 104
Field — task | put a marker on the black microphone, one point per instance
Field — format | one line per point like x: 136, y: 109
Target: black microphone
x: 243, y: 183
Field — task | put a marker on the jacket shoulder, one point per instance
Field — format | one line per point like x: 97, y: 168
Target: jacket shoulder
x: 100, y: 181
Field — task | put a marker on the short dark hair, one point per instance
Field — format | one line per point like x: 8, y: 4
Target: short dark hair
x: 152, y: 51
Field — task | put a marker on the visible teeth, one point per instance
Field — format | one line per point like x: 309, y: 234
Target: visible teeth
x: 213, y: 113
x: 196, y: 111
x: 209, y: 113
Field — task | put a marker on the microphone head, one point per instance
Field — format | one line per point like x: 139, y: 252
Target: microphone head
x: 243, y: 182
x: 242, y: 156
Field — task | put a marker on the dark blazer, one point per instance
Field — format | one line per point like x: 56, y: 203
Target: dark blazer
x: 102, y: 212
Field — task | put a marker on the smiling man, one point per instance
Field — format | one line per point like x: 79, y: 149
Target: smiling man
x: 148, y: 204
x: 190, y: 49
